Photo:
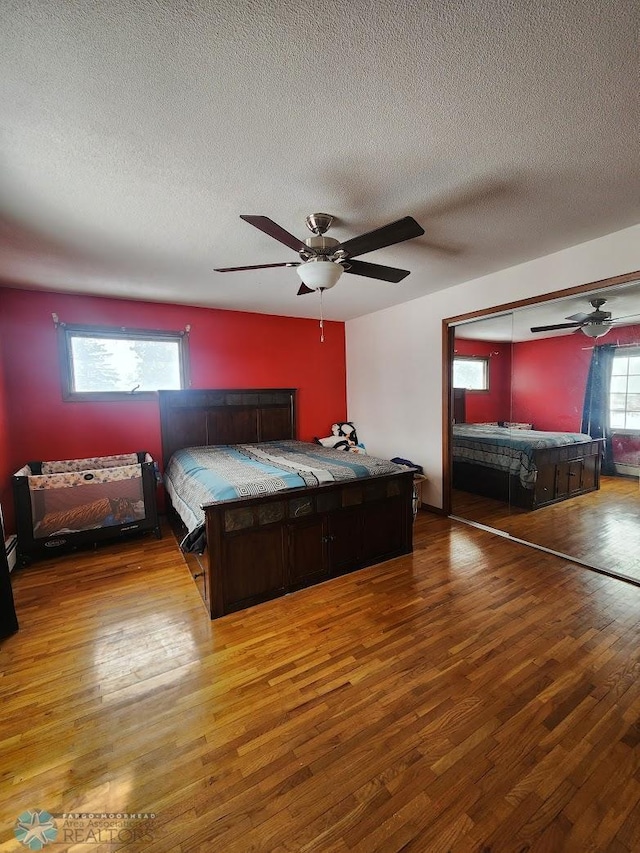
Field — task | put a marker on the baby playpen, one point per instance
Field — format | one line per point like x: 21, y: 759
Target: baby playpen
x: 77, y: 503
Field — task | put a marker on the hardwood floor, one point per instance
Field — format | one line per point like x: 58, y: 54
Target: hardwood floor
x: 475, y: 697
x: 600, y: 528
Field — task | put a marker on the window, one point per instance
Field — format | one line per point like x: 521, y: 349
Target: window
x: 624, y: 396
x: 101, y: 363
x: 471, y: 372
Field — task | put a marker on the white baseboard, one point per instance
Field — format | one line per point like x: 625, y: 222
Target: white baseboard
x: 10, y: 550
x: 627, y: 470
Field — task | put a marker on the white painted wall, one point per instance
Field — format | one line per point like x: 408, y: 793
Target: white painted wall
x: 394, y: 357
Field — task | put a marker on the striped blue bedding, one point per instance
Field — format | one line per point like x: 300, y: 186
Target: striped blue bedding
x: 197, y: 476
x: 507, y: 449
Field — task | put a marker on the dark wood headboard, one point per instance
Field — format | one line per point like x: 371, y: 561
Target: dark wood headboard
x: 459, y: 406
x: 194, y: 418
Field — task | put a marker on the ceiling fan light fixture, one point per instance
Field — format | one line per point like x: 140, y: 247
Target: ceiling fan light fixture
x: 595, y: 330
x: 319, y: 273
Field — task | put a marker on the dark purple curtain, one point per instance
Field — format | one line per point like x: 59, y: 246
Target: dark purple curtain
x: 595, y: 414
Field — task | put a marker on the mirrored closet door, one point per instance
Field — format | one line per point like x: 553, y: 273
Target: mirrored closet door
x: 545, y: 439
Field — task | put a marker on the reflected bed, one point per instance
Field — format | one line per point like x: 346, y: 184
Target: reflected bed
x: 528, y: 468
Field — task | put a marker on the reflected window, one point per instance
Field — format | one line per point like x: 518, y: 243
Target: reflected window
x: 471, y: 372
x: 624, y: 397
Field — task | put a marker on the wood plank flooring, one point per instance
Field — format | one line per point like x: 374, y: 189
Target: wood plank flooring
x: 601, y: 528
x: 475, y: 697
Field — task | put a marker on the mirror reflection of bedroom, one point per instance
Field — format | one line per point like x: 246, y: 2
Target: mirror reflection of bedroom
x: 545, y: 439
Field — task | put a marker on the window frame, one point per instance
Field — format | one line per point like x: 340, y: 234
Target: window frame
x: 487, y: 373
x: 630, y: 351
x: 66, y: 331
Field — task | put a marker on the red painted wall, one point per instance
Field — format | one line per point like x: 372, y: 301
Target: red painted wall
x: 6, y: 498
x: 626, y: 449
x: 549, y: 381
x: 228, y: 349
x: 550, y: 378
x: 494, y: 404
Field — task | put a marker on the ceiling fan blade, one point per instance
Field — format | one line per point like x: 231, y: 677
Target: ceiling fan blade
x: 578, y: 318
x: 378, y: 271
x: 304, y: 289
x: 395, y: 232
x: 257, y: 267
x: 274, y: 230
x: 624, y: 317
x: 557, y: 326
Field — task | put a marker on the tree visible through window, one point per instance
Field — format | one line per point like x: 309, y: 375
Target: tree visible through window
x: 624, y: 397
x: 471, y: 372
x: 92, y: 366
x: 121, y: 363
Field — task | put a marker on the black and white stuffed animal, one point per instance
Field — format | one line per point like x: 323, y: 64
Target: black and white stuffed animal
x: 343, y: 437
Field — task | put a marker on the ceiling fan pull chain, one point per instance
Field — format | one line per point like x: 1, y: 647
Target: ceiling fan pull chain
x: 321, y: 317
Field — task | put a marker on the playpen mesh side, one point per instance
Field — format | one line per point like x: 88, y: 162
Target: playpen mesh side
x: 82, y: 499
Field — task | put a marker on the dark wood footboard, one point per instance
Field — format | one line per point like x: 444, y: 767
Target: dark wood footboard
x: 262, y: 548
x: 563, y: 472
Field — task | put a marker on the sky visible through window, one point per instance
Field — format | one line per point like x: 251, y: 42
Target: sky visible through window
x: 624, y: 396
x: 470, y: 373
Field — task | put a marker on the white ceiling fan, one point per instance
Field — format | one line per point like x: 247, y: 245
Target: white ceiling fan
x: 324, y: 259
x: 595, y: 324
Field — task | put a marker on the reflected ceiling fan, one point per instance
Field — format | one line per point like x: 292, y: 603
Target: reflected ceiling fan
x: 324, y: 259
x: 595, y: 324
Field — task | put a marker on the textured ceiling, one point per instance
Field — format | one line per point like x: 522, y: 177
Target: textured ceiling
x: 134, y: 133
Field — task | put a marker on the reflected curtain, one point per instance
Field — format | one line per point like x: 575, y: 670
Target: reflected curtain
x: 595, y: 413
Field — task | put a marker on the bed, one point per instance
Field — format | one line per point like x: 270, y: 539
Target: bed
x: 528, y: 468
x: 300, y: 522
